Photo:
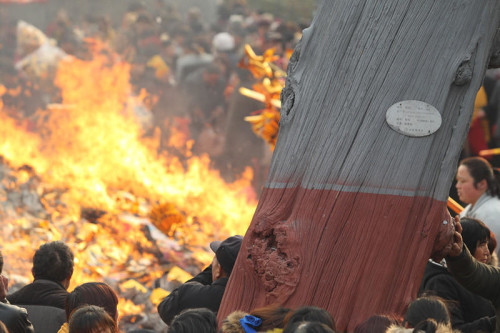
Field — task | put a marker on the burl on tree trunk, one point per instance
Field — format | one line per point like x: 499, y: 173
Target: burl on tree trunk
x: 352, y: 208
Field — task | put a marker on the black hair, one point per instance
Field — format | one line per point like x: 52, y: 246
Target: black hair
x: 310, y: 313
x: 308, y: 327
x: 194, y: 321
x: 480, y: 169
x: 427, y: 325
x: 376, y: 324
x: 1, y: 262
x: 427, y: 307
x: 89, y: 318
x: 53, y: 261
x: 272, y: 316
x: 474, y: 231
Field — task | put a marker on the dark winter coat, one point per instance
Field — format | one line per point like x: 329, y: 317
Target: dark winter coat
x: 199, y: 292
x: 40, y: 292
x: 15, y: 318
x: 469, y: 312
x: 477, y: 277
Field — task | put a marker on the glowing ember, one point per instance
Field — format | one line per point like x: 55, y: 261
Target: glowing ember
x: 94, y: 182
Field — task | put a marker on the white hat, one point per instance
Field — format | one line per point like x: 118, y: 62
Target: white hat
x: 223, y: 42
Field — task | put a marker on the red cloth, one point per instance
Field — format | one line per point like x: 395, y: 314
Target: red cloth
x: 478, y: 136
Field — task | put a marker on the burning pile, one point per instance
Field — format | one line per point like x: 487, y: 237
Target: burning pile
x: 87, y: 176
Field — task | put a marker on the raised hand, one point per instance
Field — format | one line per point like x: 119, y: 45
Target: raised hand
x: 458, y: 242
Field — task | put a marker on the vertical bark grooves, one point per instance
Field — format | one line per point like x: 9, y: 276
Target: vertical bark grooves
x: 351, y: 209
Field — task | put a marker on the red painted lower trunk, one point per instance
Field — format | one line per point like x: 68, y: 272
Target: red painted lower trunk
x: 294, y: 258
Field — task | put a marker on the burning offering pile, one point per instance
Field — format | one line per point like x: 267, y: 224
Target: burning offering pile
x: 83, y: 172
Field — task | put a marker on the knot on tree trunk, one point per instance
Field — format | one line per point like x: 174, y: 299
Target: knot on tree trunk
x: 275, y: 262
x: 464, y: 73
x: 294, y: 59
x: 288, y: 98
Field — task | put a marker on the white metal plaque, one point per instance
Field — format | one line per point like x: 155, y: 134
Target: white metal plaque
x: 413, y: 118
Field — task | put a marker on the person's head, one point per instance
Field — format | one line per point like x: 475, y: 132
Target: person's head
x: 53, y: 261
x: 426, y: 307
x: 272, y: 316
x: 93, y: 293
x: 91, y: 319
x: 309, y: 313
x: 194, y: 321
x: 226, y: 253
x: 376, y: 324
x: 476, y: 236
x: 308, y: 327
x: 475, y: 177
x: 232, y: 324
x: 143, y: 23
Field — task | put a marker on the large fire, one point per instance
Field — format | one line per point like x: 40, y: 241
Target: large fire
x: 98, y: 184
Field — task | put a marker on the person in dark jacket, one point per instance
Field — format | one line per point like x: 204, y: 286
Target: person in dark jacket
x: 13, y: 317
x: 52, y: 271
x: 45, y: 297
x: 469, y: 312
x: 474, y: 275
x: 206, y: 289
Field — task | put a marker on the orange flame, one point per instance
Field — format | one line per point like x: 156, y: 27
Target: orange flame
x: 98, y: 179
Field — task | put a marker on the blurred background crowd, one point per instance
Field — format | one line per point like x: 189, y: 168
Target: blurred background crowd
x: 183, y: 57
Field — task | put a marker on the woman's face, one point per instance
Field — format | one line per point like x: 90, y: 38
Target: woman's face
x: 482, y: 252
x: 467, y: 192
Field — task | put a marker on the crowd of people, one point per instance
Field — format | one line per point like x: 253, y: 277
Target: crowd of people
x: 459, y: 294
x: 190, y: 68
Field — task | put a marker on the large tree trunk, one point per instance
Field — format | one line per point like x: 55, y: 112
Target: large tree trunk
x: 351, y: 208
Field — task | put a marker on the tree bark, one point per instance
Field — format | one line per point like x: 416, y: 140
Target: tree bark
x: 351, y: 208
